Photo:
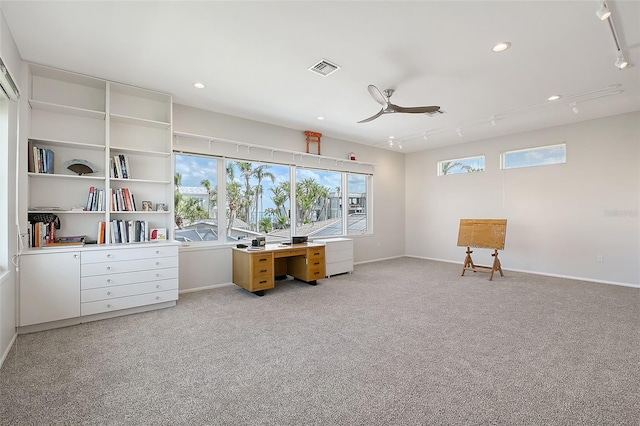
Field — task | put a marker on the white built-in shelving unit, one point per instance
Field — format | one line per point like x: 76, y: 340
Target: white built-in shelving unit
x: 84, y: 118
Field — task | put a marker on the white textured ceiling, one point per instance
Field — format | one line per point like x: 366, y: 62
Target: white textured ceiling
x: 253, y: 58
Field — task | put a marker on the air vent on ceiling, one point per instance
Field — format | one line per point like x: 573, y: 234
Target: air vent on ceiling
x: 324, y: 68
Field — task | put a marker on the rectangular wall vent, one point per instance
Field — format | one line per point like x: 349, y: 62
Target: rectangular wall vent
x: 324, y: 68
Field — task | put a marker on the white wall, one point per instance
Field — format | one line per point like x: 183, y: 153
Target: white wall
x: 211, y: 266
x: 11, y: 58
x: 560, y: 217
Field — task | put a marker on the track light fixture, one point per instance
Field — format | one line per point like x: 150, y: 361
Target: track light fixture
x: 459, y: 130
x: 603, y: 11
x: 621, y: 63
x: 400, y: 145
x: 605, y: 15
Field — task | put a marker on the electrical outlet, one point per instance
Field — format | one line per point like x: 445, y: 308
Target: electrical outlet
x: 600, y: 258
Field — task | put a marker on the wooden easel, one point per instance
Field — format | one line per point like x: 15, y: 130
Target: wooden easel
x: 482, y: 233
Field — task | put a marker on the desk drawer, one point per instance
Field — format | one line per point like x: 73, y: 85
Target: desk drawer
x: 316, y: 273
x: 110, y: 305
x: 290, y: 252
x: 109, y: 255
x: 109, y: 280
x: 116, y: 267
x: 127, y: 290
x: 339, y: 255
x: 315, y: 253
x: 263, y: 282
x: 262, y: 264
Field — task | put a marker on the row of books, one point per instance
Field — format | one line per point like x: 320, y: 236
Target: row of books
x: 40, y: 159
x: 95, y: 201
x: 122, y: 200
x: 41, y: 234
x: 135, y: 231
x: 120, y: 168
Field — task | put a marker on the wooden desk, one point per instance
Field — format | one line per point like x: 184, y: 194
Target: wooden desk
x: 257, y: 270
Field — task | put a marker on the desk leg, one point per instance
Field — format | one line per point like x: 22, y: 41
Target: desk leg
x: 314, y: 282
x: 259, y: 293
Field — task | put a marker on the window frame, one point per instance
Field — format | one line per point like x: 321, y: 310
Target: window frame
x: 222, y: 194
x: 454, y: 160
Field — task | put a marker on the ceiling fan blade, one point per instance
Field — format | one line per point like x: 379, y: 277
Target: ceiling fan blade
x: 377, y: 95
x: 373, y: 117
x: 416, y: 110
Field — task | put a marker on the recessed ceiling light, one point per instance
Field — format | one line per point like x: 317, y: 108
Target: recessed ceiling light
x: 392, y: 137
x: 198, y: 85
x: 554, y: 97
x: 320, y: 117
x: 501, y: 47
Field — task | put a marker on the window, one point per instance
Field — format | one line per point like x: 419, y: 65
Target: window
x: 357, y: 196
x: 4, y: 188
x: 542, y: 156
x: 318, y: 203
x: 461, y: 165
x: 258, y: 201
x: 226, y: 200
x: 196, y: 198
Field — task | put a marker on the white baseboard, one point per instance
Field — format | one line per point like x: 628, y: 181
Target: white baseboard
x: 208, y: 287
x: 6, y: 352
x: 378, y: 260
x: 546, y: 274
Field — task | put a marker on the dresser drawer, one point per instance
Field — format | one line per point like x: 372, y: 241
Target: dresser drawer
x: 339, y: 255
x: 108, y: 255
x: 127, y: 290
x: 110, y: 305
x: 339, y: 267
x: 108, y: 280
x: 116, y: 267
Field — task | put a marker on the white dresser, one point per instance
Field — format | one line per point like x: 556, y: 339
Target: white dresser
x: 114, y: 279
x: 338, y: 255
x: 60, y: 287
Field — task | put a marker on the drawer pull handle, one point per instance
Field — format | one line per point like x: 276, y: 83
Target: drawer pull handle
x: 157, y: 263
x: 109, y: 280
x: 108, y: 268
x: 263, y: 270
x: 158, y: 286
x: 75, y: 256
x: 157, y: 251
x: 157, y: 275
x: 109, y: 255
x: 108, y: 293
x: 262, y: 260
x: 109, y: 306
x: 157, y: 297
x: 263, y: 282
x: 317, y: 263
x: 316, y: 273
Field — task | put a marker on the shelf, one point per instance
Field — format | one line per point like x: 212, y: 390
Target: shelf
x: 139, y: 212
x: 68, y: 144
x: 132, y: 151
x: 65, y: 211
x: 59, y: 176
x: 64, y: 109
x: 164, y: 182
x: 139, y: 121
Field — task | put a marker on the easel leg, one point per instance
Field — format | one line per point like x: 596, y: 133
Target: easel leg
x: 468, y: 262
x: 496, y: 265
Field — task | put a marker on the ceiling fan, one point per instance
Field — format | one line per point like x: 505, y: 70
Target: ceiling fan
x: 387, y: 107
